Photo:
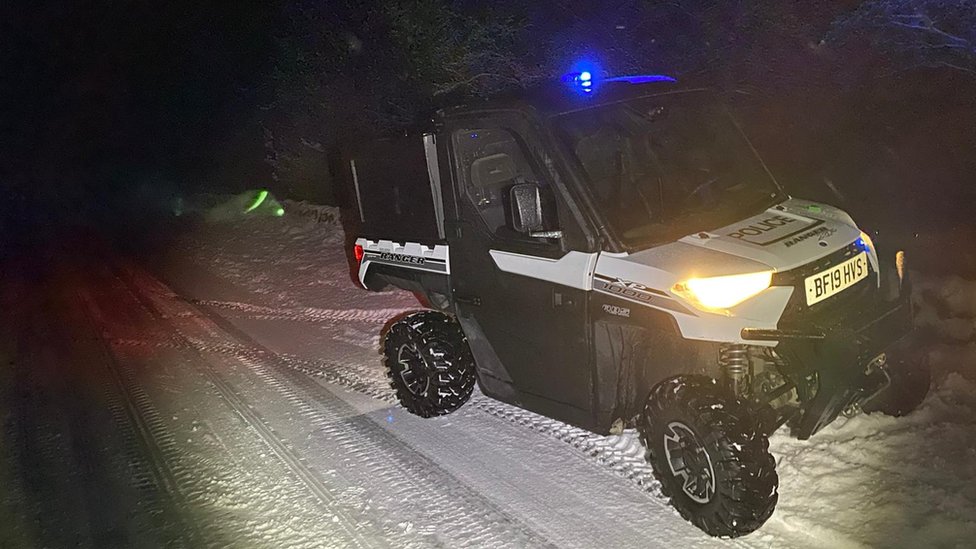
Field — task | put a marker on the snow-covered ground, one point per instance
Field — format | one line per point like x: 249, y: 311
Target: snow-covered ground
x: 863, y: 481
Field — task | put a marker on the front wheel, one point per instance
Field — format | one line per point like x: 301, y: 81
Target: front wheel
x: 709, y: 455
x: 429, y: 363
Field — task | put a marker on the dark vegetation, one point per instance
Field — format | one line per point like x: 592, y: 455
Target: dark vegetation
x: 866, y: 104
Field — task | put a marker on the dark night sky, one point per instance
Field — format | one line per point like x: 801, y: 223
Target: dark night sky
x: 90, y: 87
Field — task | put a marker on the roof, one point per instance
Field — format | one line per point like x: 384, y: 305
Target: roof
x: 551, y: 99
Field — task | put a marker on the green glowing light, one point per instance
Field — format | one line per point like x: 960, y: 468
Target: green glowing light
x: 257, y: 201
x: 280, y: 212
x: 814, y: 208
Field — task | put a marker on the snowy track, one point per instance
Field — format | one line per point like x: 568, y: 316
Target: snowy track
x: 150, y: 448
x: 83, y: 446
x: 402, y: 473
x: 220, y: 500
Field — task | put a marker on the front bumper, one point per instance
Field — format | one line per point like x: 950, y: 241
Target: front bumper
x: 836, y: 366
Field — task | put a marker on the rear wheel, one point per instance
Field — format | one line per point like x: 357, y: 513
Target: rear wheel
x: 429, y: 363
x: 712, y: 460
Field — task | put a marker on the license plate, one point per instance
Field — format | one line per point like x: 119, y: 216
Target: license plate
x: 836, y: 279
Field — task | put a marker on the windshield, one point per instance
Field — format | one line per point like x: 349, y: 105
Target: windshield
x: 667, y: 165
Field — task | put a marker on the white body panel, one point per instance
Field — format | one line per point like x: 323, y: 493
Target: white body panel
x: 760, y: 311
x: 811, y: 232
x: 575, y: 269
x: 410, y: 255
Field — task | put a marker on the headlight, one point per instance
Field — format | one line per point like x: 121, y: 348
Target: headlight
x: 722, y: 292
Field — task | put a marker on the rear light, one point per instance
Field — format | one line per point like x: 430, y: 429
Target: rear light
x: 357, y: 251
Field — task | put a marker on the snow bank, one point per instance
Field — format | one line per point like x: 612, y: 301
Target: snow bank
x: 874, y: 480
x: 222, y: 208
x: 298, y: 260
x: 946, y: 312
x: 313, y: 212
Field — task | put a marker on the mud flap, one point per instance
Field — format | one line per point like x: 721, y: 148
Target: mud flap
x: 493, y: 377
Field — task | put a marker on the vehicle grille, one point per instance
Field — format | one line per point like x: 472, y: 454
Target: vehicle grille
x: 833, y: 309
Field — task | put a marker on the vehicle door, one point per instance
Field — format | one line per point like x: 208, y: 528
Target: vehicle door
x: 519, y: 295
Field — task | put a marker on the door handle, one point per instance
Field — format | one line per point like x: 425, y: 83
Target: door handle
x: 468, y: 300
x: 561, y: 300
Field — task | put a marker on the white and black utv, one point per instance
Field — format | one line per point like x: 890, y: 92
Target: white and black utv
x: 622, y: 258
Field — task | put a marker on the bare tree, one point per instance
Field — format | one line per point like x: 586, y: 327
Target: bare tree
x: 913, y: 33
x: 445, y: 50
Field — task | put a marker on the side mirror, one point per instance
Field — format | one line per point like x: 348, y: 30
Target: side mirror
x: 526, y: 208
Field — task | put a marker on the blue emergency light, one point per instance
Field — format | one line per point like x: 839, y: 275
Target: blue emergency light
x: 584, y: 78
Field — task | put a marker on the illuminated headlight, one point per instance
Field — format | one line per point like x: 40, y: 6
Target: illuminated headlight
x: 722, y: 292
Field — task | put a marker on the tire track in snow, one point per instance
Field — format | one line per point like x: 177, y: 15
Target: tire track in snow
x: 304, y: 314
x: 475, y: 520
x: 71, y: 469
x: 404, y: 473
x: 349, y: 375
x: 150, y: 450
x: 286, y: 455
x: 623, y: 454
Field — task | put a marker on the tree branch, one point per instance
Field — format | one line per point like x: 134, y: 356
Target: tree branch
x: 457, y: 85
x: 957, y: 67
x: 929, y: 27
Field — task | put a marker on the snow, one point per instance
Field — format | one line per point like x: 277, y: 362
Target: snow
x: 869, y: 480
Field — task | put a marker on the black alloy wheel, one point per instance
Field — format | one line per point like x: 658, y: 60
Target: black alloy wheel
x: 429, y: 364
x: 710, y: 456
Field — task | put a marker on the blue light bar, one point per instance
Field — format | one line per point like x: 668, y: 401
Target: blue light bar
x: 581, y: 81
x: 584, y: 79
x: 641, y: 78
x: 584, y: 76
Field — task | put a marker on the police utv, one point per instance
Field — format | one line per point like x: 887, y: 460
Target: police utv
x: 615, y: 254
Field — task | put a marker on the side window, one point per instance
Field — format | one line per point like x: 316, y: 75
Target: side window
x: 491, y: 161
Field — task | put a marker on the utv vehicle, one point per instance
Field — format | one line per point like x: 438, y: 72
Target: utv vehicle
x: 615, y: 254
